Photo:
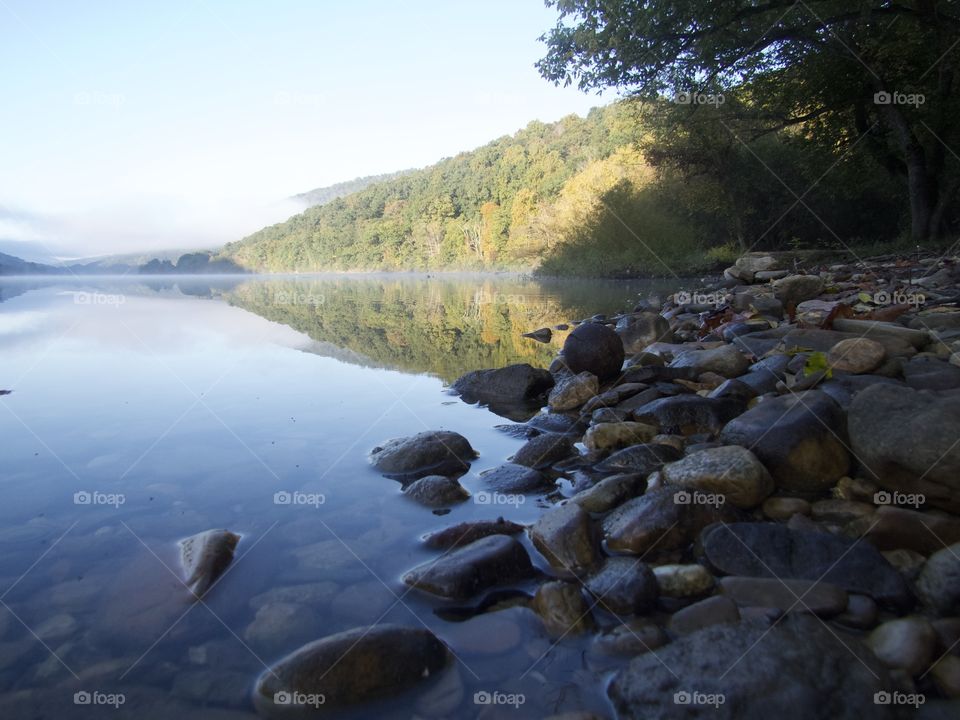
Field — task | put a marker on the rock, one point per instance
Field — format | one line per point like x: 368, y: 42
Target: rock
x: 784, y: 508
x: 543, y: 335
x: 435, y: 452
x: 844, y: 388
x: 773, y: 550
x: 519, y: 383
x: 556, y: 424
x: 797, y: 288
x: 436, y: 491
x: 938, y: 585
x: 632, y: 638
x: 905, y: 644
x: 735, y: 389
x: 689, y: 414
x: 513, y: 478
x: 461, y: 574
x: 797, y: 438
x: 892, y: 528
x: 611, y: 492
x: 712, y: 611
x: 725, y: 360
x: 861, y: 612
x: 639, y: 459
x: 606, y: 436
x: 796, y: 670
x: 946, y: 676
x: 882, y: 331
x: 469, y: 532
x: 811, y: 596
x: 562, y: 608
x: 353, y: 667
x: 858, y: 355
x: 624, y: 586
x: 639, y: 330
x: 307, y: 594
x: 908, y: 563
x: 754, y: 262
x: 840, y: 511
x: 931, y: 374
x: 490, y: 633
x: 731, y: 471
x: 542, y: 451
x: 655, y: 520
x: 280, y: 625
x: 906, y: 441
x: 573, y: 391
x: 683, y: 581
x: 565, y: 537
x: 205, y: 556
x: 595, y: 349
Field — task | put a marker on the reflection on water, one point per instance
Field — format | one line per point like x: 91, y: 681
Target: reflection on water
x: 146, y: 411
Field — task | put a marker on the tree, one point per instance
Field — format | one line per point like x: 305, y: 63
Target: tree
x: 883, y: 72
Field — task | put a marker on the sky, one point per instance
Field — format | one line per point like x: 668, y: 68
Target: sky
x: 136, y: 126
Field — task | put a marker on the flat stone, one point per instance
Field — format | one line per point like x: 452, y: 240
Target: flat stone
x: 633, y: 638
x: 468, y: 532
x: 542, y: 451
x: 819, y: 598
x: 893, y: 528
x: 797, y: 288
x: 712, y: 611
x: 858, y: 355
x: 564, y: 535
x: 731, y: 471
x: 689, y: 414
x: 725, y: 360
x: 784, y: 508
x: 639, y: 459
x: 840, y: 511
x: 515, y: 386
x: 435, y: 452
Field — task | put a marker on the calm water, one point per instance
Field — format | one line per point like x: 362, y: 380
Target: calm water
x: 144, y: 411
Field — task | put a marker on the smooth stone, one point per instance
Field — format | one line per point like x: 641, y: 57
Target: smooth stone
x: 309, y: 594
x: 466, y: 571
x: 632, y: 638
x: 436, y: 491
x: 572, y: 391
x: 774, y: 550
x: 513, y: 478
x: 595, y: 349
x: 564, y: 535
x: 794, y: 671
x: 683, y: 581
x: 609, y: 415
x: 733, y: 388
x: 542, y: 451
x: 711, y: 611
x: 731, y: 471
x: 562, y: 608
x: 797, y: 438
x: 557, y: 424
x: 904, y: 644
x: 611, y: 492
x: 639, y: 330
x: 908, y: 563
x: 938, y: 585
x: 515, y: 385
x: 726, y: 361
x: 788, y: 595
x: 797, y: 288
x: 755, y: 262
x: 946, y: 676
x: 861, y: 612
x: 784, y: 508
x: 639, y: 459
x: 280, y: 625
x: 689, y: 414
x: 468, y: 532
x: 354, y: 666
x: 607, y: 436
x: 205, y: 557
x: 857, y: 355
x: 435, y: 452
x: 840, y: 511
x: 894, y: 528
x: 876, y: 330
x: 624, y: 586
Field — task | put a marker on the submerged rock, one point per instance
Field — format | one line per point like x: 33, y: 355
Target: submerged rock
x: 468, y: 532
x: 562, y: 607
x: 515, y: 387
x: 435, y: 452
x: 436, y: 491
x: 205, y: 556
x: 513, y: 478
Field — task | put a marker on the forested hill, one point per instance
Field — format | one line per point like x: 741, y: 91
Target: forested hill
x: 323, y: 195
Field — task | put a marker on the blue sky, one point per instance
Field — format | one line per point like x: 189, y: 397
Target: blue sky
x: 144, y: 125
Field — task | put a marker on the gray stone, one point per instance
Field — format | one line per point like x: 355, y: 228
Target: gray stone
x: 683, y: 581
x: 519, y: 383
x: 624, y: 586
x: 639, y: 459
x: 463, y: 573
x: 714, y: 610
x: 939, y: 582
x: 788, y: 595
x: 564, y: 535
x: 639, y: 330
x: 725, y: 360
x: 542, y: 451
x: 436, y: 491
x: 797, y: 288
x: 731, y: 471
x: 607, y: 436
x: 905, y: 644
x: 468, y: 532
x: 513, y: 478
x: 689, y: 414
x: 435, y: 452
x: 572, y: 391
x: 857, y: 355
x: 611, y: 492
x: 562, y: 608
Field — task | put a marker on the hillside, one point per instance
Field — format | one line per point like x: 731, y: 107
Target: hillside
x: 323, y: 195
x: 10, y: 265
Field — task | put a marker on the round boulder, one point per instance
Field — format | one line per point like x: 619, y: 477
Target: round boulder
x: 594, y: 348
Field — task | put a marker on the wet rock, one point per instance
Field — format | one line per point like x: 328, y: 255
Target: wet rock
x: 783, y: 508
x: 557, y: 424
x: 714, y: 610
x: 543, y: 451
x: 840, y: 511
x: 905, y: 644
x: 633, y: 638
x: 205, y: 556
x: 639, y: 459
x: 858, y: 355
x: 689, y: 414
x: 683, y: 581
x: 908, y: 563
x: 786, y: 595
x: 519, y: 383
x: 624, y: 586
x: 469, y: 532
x: 611, y: 492
x: 513, y: 478
x: 435, y: 452
x: 353, y: 667
x: 725, y: 360
x: 946, y: 676
x: 938, y: 585
x: 906, y: 441
x: 731, y: 471
x: 797, y: 438
x: 281, y: 625
x: 797, y: 288
x: 573, y: 391
x: 464, y: 572
x: 893, y: 528
x: 595, y: 349
x: 796, y: 670
x: 436, y: 491
x: 564, y: 535
x: 639, y: 330
x: 607, y: 436
x: 562, y: 608
x: 307, y: 594
x: 655, y: 519
x: 773, y: 550
x: 861, y: 612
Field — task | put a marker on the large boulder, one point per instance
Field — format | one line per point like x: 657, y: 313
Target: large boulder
x: 796, y: 670
x: 907, y: 442
x: 639, y: 330
x: 435, y: 452
x: 594, y: 348
x: 351, y: 667
x: 798, y: 437
x: 731, y: 471
x: 725, y: 360
x: 774, y: 550
x: 519, y: 384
